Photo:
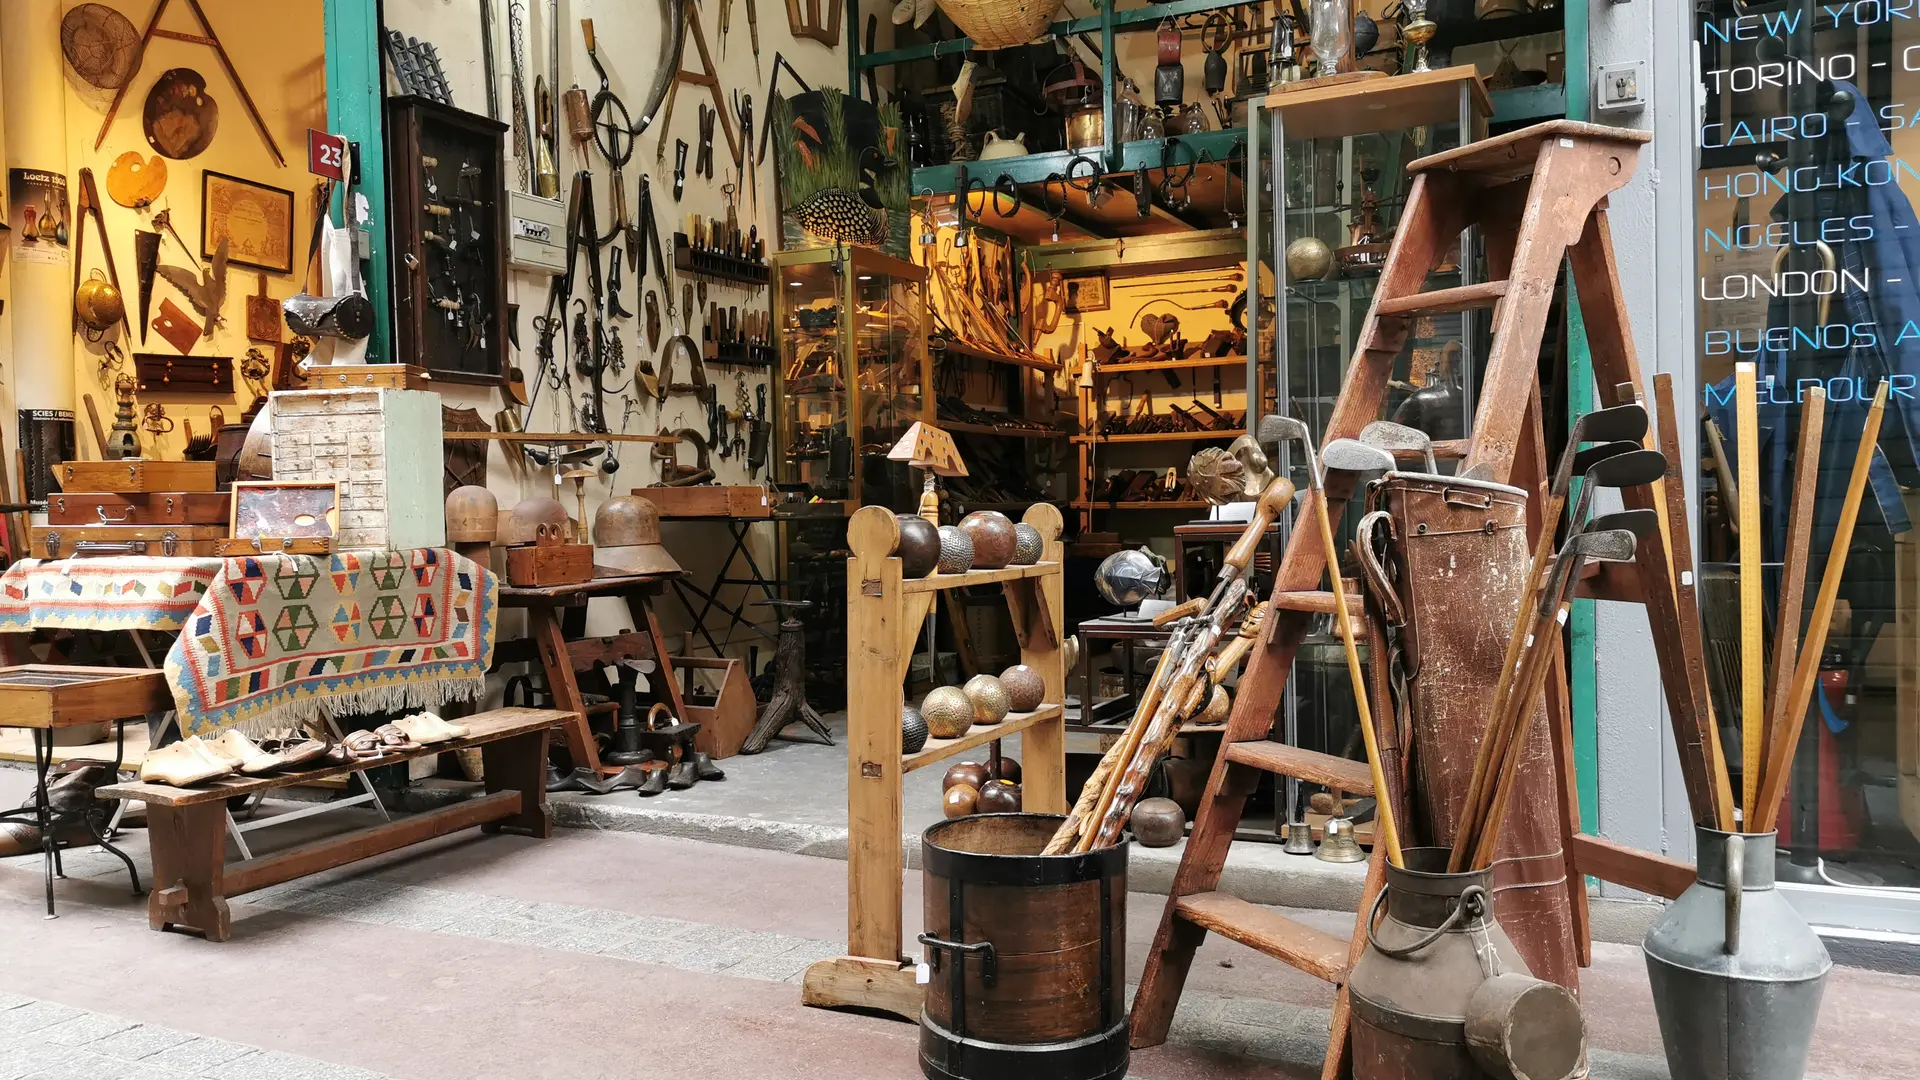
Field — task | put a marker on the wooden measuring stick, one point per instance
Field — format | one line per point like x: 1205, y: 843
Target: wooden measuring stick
x: 1779, y: 759
x: 1793, y: 570
x: 1753, y: 660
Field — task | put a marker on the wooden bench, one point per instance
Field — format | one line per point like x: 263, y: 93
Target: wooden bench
x: 186, y: 827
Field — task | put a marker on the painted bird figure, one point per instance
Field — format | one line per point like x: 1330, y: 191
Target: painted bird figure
x: 205, y: 290
x: 842, y: 216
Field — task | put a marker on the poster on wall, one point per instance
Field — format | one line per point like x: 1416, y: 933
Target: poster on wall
x: 41, y: 220
x: 256, y: 221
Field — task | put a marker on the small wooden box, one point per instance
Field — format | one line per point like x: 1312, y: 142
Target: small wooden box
x: 137, y: 508
x: 365, y: 377
x: 58, y: 695
x: 178, y: 541
x: 536, y: 566
x: 137, y: 475
x: 708, y: 501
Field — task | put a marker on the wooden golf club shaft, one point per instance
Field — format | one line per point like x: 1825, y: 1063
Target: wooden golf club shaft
x: 1501, y: 738
x: 1343, y: 619
x: 1529, y: 596
x: 1753, y: 660
x: 1793, y: 568
x: 1779, y: 759
x: 1093, y: 793
x: 1538, y: 662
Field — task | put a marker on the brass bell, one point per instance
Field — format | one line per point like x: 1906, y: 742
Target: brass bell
x: 1338, y: 845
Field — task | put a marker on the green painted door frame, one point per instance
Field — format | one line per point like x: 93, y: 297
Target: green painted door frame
x: 356, y: 99
x: 1580, y: 627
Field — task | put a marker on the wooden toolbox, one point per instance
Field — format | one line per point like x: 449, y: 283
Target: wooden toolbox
x: 135, y: 475
x: 537, y: 566
x: 67, y: 541
x: 708, y: 501
x: 262, y: 545
x: 137, y: 508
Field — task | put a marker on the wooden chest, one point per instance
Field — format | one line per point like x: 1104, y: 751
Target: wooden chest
x: 540, y: 565
x: 137, y: 508
x: 136, y: 475
x: 66, y: 541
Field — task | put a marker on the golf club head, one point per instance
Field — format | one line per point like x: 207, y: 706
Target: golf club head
x: 1354, y: 456
x: 1391, y: 437
x: 1634, y: 468
x: 1275, y: 428
x: 1601, y: 544
x: 1594, y: 455
x: 1641, y: 523
x: 1621, y: 423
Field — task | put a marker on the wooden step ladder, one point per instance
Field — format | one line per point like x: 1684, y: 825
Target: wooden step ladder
x: 1538, y: 197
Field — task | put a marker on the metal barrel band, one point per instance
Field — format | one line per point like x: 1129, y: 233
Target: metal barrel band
x: 1473, y: 903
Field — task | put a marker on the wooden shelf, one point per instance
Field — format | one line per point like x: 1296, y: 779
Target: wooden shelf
x: 952, y: 426
x: 955, y: 345
x: 937, y: 582
x: 978, y: 735
x: 1165, y: 504
x: 1315, y: 110
x: 570, y: 439
x: 1161, y: 436
x: 1124, y: 368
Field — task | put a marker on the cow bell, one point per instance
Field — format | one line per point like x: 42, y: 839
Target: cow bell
x: 1170, y: 78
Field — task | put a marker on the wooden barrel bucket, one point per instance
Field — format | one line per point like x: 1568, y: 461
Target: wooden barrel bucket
x: 1026, y: 954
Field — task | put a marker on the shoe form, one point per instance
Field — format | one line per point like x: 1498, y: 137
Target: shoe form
x: 656, y: 783
x: 182, y: 764
x: 580, y: 779
x: 683, y: 775
x: 705, y: 769
x: 234, y: 747
x: 427, y: 728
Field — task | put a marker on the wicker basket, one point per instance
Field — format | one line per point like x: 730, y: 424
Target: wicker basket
x: 1001, y: 24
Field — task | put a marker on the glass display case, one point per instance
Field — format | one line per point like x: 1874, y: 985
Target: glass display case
x: 853, y: 373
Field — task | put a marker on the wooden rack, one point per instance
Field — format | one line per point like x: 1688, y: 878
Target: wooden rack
x: 884, y: 617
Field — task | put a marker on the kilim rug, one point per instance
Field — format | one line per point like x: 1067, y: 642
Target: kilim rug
x: 134, y: 593
x: 281, y: 639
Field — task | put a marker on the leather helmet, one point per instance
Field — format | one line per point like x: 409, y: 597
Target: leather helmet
x: 473, y: 515
x: 626, y: 538
x: 523, y: 525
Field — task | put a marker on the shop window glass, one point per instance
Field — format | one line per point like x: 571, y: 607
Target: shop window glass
x: 1808, y: 265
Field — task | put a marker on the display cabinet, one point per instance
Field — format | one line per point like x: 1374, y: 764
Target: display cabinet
x: 853, y: 372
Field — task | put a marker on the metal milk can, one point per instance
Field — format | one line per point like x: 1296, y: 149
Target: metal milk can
x: 1737, y: 973
x: 1442, y: 994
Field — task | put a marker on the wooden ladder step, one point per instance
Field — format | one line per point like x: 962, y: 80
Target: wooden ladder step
x: 1292, y: 943
x: 1483, y: 294
x: 1313, y: 766
x: 1320, y: 602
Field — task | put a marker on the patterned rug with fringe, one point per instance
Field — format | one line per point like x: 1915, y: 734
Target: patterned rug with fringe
x: 282, y: 639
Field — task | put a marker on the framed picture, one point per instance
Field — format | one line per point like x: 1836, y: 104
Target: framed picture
x: 256, y: 221
x: 1087, y: 293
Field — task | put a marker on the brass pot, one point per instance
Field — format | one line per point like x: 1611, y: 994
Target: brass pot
x: 99, y: 303
x: 1087, y: 127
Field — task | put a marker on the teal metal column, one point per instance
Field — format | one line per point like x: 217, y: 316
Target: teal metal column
x: 1580, y: 627
x: 355, y: 103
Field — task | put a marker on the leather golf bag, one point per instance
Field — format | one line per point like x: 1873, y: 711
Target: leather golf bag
x: 1445, y: 561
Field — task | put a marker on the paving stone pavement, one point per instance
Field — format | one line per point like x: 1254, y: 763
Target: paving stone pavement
x: 40, y: 1040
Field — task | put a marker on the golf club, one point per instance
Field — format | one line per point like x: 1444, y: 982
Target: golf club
x: 1613, y: 538
x: 1399, y: 438
x: 1353, y: 456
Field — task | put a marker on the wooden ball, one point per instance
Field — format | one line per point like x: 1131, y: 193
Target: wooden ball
x: 959, y: 800
x: 949, y: 712
x: 993, y: 538
x: 919, y: 548
x: 998, y: 797
x: 1025, y: 688
x: 1158, y: 822
x: 913, y: 730
x: 970, y: 773
x: 1028, y: 545
x: 956, y: 550
x: 1007, y: 769
x: 991, y: 703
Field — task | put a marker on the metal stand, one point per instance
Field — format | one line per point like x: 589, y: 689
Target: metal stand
x: 790, y: 683
x: 710, y: 596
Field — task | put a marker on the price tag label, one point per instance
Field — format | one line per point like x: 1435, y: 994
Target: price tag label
x: 922, y: 974
x: 327, y: 155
